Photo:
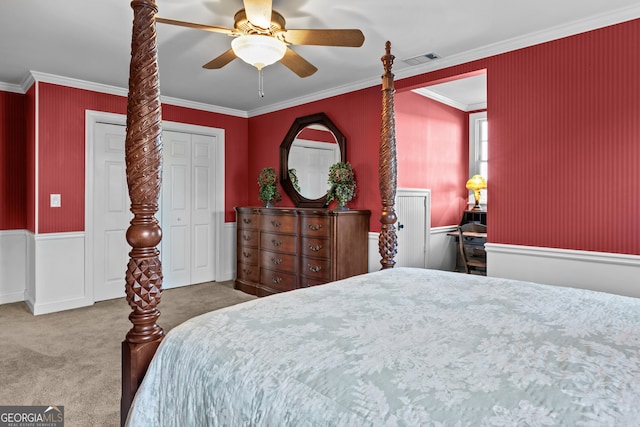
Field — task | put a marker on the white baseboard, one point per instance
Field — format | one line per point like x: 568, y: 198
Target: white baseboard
x: 598, y: 271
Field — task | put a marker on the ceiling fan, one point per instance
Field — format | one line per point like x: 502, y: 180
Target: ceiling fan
x: 261, y: 39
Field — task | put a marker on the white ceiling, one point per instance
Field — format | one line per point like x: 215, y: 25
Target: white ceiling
x: 89, y: 40
x: 465, y: 94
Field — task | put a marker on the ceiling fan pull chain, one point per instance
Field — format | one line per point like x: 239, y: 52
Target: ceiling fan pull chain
x: 260, y: 84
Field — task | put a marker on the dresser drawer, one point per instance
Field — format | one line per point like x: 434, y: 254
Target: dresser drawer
x: 247, y: 237
x: 248, y: 220
x: 278, y: 280
x: 317, y: 268
x: 278, y: 242
x: 307, y: 282
x: 317, y: 226
x: 278, y: 261
x: 248, y: 272
x: 248, y: 255
x: 278, y: 223
x: 312, y: 246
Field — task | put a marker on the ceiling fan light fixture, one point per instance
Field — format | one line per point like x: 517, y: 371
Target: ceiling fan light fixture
x: 258, y: 50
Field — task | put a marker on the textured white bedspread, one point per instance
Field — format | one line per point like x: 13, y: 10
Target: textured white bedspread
x: 403, y: 347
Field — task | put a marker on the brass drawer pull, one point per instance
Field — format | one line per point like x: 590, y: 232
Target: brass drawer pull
x: 246, y: 220
x: 246, y: 271
x: 276, y: 280
x: 246, y: 238
x: 315, y: 227
x: 276, y: 242
x: 276, y: 261
x: 314, y: 269
x: 315, y: 248
x: 246, y: 254
x: 276, y: 224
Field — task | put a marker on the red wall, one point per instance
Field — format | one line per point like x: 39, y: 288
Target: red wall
x: 561, y: 116
x: 356, y: 114
x: 432, y: 140
x: 31, y: 156
x: 62, y: 155
x: 13, y: 172
x: 567, y: 120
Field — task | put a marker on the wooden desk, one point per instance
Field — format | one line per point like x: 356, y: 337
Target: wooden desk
x: 470, y: 215
x: 468, y: 234
x: 475, y: 238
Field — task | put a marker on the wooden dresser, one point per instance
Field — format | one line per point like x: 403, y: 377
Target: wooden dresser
x: 281, y: 249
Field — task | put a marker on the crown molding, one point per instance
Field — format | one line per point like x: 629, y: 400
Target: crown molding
x: 8, y: 87
x: 36, y: 76
x: 317, y: 96
x: 426, y: 92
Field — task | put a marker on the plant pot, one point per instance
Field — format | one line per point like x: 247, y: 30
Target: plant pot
x: 342, y: 206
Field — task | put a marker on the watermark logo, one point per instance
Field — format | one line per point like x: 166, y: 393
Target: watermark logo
x: 31, y: 416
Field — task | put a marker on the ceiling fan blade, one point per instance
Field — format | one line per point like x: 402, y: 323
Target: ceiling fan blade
x: 220, y: 61
x: 297, y: 64
x: 223, y: 30
x: 259, y: 12
x: 349, y: 38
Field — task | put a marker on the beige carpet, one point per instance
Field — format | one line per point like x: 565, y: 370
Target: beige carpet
x: 72, y: 358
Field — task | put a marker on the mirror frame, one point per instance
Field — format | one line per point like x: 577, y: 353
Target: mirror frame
x: 298, y: 124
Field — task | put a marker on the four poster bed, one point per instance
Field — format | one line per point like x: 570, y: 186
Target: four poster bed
x: 399, y: 346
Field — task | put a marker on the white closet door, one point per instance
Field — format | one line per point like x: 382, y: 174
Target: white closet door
x: 413, y: 209
x: 111, y: 212
x: 176, y: 209
x: 202, y: 218
x: 187, y: 209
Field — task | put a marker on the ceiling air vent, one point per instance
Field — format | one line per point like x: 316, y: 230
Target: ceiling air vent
x: 422, y: 59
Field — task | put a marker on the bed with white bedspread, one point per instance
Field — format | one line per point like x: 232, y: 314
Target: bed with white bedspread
x: 402, y: 347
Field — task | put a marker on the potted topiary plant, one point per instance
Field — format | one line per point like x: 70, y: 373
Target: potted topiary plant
x: 268, y: 193
x: 342, y: 184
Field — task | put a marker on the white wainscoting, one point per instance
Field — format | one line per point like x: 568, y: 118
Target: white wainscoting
x: 46, y: 271
x: 56, y: 273
x: 443, y: 249
x: 598, y: 271
x: 227, y: 266
x: 441, y: 252
x: 13, y: 267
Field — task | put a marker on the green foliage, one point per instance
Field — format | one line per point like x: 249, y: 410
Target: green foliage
x: 342, y: 182
x: 293, y: 176
x: 268, y: 180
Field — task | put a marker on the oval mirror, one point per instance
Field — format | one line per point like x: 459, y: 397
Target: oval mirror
x: 311, y: 146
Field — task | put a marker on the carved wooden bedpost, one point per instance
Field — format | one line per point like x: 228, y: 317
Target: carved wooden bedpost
x: 143, y: 153
x: 387, y: 169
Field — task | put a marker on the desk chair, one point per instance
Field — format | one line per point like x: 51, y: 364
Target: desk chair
x: 471, y: 239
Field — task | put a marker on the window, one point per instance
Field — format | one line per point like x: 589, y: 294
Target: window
x: 478, y: 149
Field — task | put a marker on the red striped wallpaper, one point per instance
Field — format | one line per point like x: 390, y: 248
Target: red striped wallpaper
x: 433, y: 152
x: 30, y: 114
x: 13, y: 167
x: 62, y: 157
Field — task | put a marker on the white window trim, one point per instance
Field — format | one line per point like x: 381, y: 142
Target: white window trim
x: 474, y: 138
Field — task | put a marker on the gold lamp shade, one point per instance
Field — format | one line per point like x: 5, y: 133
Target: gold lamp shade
x: 476, y: 183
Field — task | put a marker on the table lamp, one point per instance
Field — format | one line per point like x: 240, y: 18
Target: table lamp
x: 476, y: 183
